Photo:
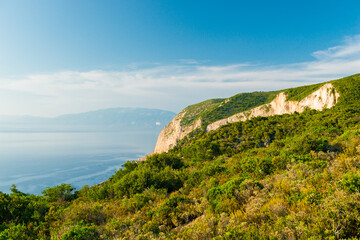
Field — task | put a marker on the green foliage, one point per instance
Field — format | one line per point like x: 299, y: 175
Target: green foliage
x: 14, y: 190
x: 60, y: 193
x: 81, y: 233
x: 229, y: 190
x: 160, y: 161
x: 232, y: 195
x: 349, y: 88
x: 238, y: 103
x: 307, y: 143
x: 22, y: 216
x: 193, y: 112
x: 16, y: 232
x: 299, y: 93
x: 215, y: 109
x: 160, y: 171
x: 351, y: 182
x: 145, y: 177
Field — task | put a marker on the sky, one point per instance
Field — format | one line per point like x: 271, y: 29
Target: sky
x: 65, y: 56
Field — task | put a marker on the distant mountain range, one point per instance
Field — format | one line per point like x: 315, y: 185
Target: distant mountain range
x: 100, y: 120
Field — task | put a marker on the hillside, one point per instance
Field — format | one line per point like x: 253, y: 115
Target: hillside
x: 288, y: 176
x: 215, y: 109
x: 211, y: 114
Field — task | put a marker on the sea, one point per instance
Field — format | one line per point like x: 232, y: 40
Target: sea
x: 35, y: 160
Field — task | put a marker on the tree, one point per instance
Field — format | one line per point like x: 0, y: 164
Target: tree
x: 60, y: 193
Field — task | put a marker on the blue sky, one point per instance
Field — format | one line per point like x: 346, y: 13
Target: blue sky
x: 71, y: 56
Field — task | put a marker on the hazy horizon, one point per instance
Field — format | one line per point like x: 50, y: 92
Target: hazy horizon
x: 83, y: 112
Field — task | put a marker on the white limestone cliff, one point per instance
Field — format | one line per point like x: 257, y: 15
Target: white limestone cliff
x: 324, y: 97
x: 173, y: 133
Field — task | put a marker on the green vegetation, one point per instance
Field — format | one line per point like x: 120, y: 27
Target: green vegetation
x: 215, y: 109
x: 299, y: 93
x: 281, y: 177
x: 349, y: 89
x: 193, y: 112
x: 238, y: 103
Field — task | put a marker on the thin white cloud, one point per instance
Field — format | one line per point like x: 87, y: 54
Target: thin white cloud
x: 189, y: 61
x: 350, y: 49
x: 170, y: 86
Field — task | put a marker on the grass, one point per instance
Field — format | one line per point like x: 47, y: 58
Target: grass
x: 299, y: 93
x: 215, y: 109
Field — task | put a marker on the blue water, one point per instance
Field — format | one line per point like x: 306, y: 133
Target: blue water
x: 34, y: 160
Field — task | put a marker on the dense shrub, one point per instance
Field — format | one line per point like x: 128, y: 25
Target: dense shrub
x: 60, y: 193
x: 81, y: 233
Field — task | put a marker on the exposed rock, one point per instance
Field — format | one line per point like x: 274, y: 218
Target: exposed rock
x: 325, y: 97
x: 173, y: 133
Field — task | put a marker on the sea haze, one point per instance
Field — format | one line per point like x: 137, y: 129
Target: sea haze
x: 50, y: 152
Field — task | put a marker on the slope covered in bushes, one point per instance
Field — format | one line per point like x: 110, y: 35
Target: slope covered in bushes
x: 281, y: 177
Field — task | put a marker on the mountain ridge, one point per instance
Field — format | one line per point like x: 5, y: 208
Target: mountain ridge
x: 248, y: 105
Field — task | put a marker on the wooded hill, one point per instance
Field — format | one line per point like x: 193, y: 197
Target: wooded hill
x: 291, y: 176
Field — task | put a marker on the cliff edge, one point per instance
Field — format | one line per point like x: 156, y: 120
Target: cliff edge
x: 324, y: 97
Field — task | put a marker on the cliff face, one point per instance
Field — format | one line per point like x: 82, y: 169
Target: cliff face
x: 173, y: 133
x: 325, y: 97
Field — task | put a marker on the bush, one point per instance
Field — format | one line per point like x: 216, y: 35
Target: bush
x: 88, y: 213
x: 160, y: 161
x: 81, y: 233
x: 219, y: 196
x: 307, y: 143
x: 60, y: 193
x: 144, y: 177
x: 16, y: 232
x: 351, y: 182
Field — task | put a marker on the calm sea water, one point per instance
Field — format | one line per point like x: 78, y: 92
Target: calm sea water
x: 34, y: 160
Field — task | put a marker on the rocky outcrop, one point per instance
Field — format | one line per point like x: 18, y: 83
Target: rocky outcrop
x: 325, y: 97
x: 174, y: 132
